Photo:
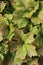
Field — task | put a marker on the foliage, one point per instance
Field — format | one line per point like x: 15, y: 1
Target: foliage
x: 21, y: 31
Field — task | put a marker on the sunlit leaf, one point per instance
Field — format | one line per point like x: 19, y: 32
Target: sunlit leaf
x: 35, y: 30
x: 36, y: 20
x: 21, y: 23
x: 2, y: 6
x: 21, y: 53
x: 41, y: 15
x: 31, y: 50
x: 8, y: 16
x: 32, y: 9
x: 30, y: 38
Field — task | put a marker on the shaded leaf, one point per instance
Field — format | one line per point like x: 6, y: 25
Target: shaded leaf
x: 1, y: 57
x: 34, y: 62
x: 40, y: 50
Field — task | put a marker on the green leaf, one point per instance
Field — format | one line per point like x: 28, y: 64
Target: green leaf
x: 28, y: 14
x: 41, y: 15
x: 1, y: 36
x: 35, y: 30
x: 38, y: 41
x: 21, y: 31
x: 42, y: 28
x: 21, y: 23
x: 1, y: 19
x: 27, y: 3
x: 10, y: 35
x: 41, y: 4
x: 32, y: 9
x: 11, y: 32
x: 40, y: 51
x: 18, y: 5
x: 21, y: 53
x: 2, y: 6
x: 36, y: 20
x: 24, y: 36
x: 27, y: 38
x: 30, y: 38
x: 31, y: 50
x: 17, y: 61
x: 4, y: 48
x: 33, y: 62
x: 15, y: 3
x: 1, y: 57
x: 8, y: 16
